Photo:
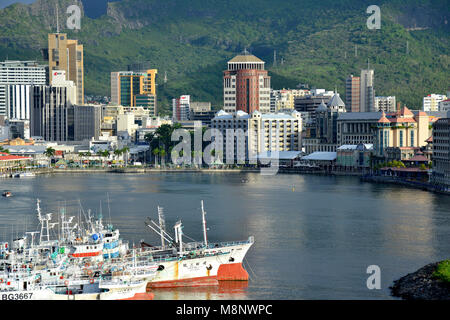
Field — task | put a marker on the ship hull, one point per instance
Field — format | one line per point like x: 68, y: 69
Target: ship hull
x: 224, y: 264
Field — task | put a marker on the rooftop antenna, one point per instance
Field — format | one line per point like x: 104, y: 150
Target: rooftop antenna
x: 57, y: 19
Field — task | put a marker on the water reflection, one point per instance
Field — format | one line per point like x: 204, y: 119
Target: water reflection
x: 226, y: 290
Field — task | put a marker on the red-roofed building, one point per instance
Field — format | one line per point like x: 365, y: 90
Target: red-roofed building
x: 9, y: 162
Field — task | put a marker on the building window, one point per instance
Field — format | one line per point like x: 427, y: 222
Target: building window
x: 401, y: 138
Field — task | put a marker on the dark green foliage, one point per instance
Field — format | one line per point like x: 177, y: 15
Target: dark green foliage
x: 192, y: 41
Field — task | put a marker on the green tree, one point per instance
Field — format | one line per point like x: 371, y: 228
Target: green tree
x: 50, y: 152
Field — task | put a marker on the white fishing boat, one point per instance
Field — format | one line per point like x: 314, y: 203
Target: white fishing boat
x: 73, y: 266
x: 194, y: 263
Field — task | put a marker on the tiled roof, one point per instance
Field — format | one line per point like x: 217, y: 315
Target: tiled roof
x: 8, y: 157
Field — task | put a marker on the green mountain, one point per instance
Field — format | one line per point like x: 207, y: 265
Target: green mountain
x: 192, y: 41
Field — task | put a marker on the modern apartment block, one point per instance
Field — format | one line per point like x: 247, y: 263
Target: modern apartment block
x: 367, y: 93
x: 386, y: 104
x: 352, y: 94
x: 432, y: 101
x: 134, y: 89
x: 255, y: 133
x: 441, y: 153
x: 66, y: 54
x: 246, y: 85
x: 19, y: 73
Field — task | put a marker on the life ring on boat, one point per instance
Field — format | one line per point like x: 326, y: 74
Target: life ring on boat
x: 66, y: 283
x: 89, y: 272
x: 91, y: 281
x: 1, y: 280
x: 100, y: 264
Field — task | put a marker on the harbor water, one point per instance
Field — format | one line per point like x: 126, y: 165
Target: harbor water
x: 315, y: 236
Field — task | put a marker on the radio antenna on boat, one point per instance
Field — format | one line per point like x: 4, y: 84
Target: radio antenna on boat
x: 204, y: 226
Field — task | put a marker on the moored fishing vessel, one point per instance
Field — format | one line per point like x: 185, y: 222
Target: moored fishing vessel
x: 194, y: 263
x: 73, y: 266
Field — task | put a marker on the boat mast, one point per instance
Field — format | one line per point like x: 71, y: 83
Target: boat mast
x: 204, y: 226
x: 178, y: 236
x: 162, y: 224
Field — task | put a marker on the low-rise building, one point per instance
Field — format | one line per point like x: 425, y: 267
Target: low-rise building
x: 354, y: 157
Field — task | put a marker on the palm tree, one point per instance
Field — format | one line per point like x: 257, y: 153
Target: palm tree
x: 162, y: 152
x: 50, y: 152
x: 155, y: 152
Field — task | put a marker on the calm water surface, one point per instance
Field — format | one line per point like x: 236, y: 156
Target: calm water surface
x: 315, y: 236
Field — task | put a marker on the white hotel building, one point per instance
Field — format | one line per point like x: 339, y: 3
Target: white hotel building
x: 257, y: 133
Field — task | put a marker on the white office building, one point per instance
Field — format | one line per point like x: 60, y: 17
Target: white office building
x: 20, y: 72
x: 386, y: 104
x: 431, y: 102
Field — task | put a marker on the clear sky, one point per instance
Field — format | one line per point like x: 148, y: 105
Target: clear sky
x: 5, y: 3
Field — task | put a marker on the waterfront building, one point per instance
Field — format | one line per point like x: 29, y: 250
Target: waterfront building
x: 431, y: 102
x: 134, y: 89
x: 401, y: 129
x: 257, y: 133
x: 354, y: 157
x: 386, y: 104
x: 246, y: 85
x: 352, y: 93
x: 325, y: 160
x: 24, y: 73
x: 66, y: 54
x: 441, y: 153
x: 323, y: 135
x: 367, y: 93
x: 9, y: 162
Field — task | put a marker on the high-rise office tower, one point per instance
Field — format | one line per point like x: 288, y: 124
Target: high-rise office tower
x: 19, y: 73
x: 246, y: 85
x: 65, y: 54
x: 367, y: 94
x: 50, y: 108
x: 134, y: 89
x: 352, y: 93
